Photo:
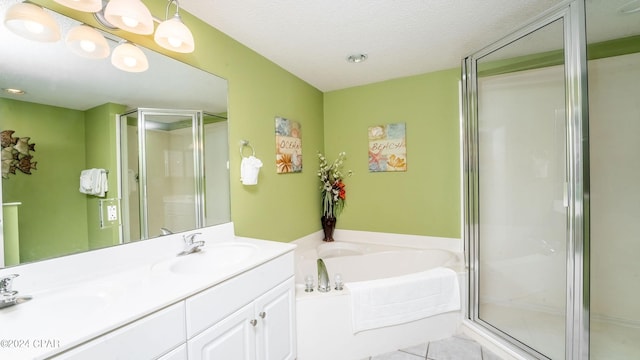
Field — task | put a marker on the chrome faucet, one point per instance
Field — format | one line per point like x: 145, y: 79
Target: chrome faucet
x: 7, y: 295
x: 323, y: 277
x: 191, y: 246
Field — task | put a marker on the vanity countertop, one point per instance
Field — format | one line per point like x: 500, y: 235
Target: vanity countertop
x: 66, y: 315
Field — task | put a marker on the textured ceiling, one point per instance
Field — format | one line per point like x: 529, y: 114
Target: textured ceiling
x: 312, y: 39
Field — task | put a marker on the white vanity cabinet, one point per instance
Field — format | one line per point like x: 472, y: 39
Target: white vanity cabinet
x: 248, y: 316
x: 255, y: 323
x: 232, y: 338
x: 261, y: 330
x: 148, y: 338
x: 275, y: 323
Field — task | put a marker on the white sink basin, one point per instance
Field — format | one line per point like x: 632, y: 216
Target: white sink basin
x: 211, y: 258
x: 84, y: 301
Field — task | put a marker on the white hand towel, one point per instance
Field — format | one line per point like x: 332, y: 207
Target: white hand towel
x: 103, y: 187
x: 94, y: 182
x: 401, y: 299
x: 249, y: 169
x: 86, y: 181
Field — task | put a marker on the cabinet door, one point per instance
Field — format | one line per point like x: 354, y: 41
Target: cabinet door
x: 233, y: 338
x: 276, y: 323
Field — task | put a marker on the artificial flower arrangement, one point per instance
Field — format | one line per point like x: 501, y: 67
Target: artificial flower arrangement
x: 332, y: 191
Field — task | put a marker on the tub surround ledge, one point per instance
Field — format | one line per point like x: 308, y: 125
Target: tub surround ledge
x: 389, y: 239
x: 368, y: 256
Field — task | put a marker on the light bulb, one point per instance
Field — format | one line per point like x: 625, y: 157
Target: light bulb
x: 174, y: 35
x: 32, y: 22
x: 131, y: 22
x: 130, y: 61
x: 88, y: 46
x: 34, y: 27
x: 128, y: 57
x: 174, y: 41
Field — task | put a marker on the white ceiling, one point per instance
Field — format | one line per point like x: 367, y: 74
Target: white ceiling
x: 312, y: 39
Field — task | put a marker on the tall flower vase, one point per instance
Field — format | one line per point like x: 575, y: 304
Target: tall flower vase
x: 328, y: 226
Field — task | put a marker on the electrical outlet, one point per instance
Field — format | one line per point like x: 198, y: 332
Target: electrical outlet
x: 108, y: 212
x: 112, y: 213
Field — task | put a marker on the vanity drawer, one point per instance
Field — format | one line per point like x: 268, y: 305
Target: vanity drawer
x: 147, y: 338
x: 210, y: 306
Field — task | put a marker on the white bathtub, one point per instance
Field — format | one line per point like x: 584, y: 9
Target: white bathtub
x: 324, y: 327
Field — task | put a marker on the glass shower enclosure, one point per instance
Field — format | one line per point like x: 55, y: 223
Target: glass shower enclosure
x: 163, y: 183
x: 551, y: 210
x: 522, y: 207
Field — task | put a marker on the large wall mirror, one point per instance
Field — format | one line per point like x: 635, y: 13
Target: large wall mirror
x: 76, y: 114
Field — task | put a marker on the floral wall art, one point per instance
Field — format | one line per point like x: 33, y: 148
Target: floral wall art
x: 16, y: 154
x: 288, y: 146
x: 387, y: 148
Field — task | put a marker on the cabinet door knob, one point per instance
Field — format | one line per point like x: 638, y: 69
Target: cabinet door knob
x: 262, y: 314
x: 253, y: 322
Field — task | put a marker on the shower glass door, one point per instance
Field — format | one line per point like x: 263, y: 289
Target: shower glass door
x: 164, y: 172
x: 519, y: 189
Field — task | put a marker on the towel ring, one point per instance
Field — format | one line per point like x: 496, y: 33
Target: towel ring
x: 244, y: 143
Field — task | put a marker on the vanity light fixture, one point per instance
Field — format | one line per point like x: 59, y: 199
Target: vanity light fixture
x: 130, y: 58
x: 32, y: 22
x: 172, y: 34
x: 129, y: 15
x: 87, y: 42
x: 82, y: 5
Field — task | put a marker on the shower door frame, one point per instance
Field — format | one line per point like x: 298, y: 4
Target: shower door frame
x: 198, y: 146
x: 577, y: 159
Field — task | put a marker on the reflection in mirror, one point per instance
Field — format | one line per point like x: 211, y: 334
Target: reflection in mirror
x: 167, y: 191
x: 69, y: 112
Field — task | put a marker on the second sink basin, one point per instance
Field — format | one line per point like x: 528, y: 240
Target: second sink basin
x: 211, y: 258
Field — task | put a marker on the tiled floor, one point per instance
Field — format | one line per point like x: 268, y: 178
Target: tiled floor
x: 457, y: 347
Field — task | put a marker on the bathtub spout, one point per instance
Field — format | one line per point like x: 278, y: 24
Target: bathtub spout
x: 323, y: 277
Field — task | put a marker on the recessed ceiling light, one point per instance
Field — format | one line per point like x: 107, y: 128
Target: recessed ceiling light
x: 14, y: 91
x: 630, y: 7
x: 357, y: 58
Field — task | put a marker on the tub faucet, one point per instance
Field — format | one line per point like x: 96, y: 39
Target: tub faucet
x: 7, y: 295
x: 323, y: 277
x: 191, y: 246
x: 165, y: 231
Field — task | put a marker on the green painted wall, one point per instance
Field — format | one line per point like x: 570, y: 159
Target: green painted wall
x: 285, y: 207
x: 424, y: 200
x: 52, y: 217
x: 100, y: 136
x: 280, y: 207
